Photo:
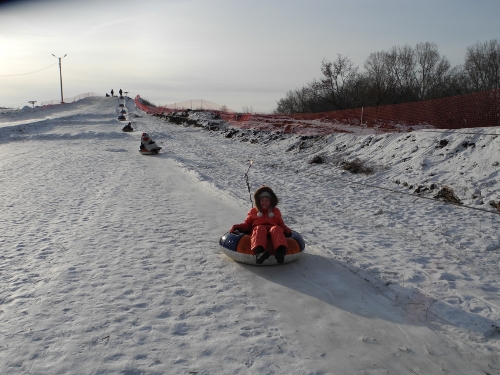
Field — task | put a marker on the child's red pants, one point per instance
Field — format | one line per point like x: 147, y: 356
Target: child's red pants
x: 259, y: 236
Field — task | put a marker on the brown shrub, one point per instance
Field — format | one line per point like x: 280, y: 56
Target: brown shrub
x: 356, y: 166
x: 446, y: 193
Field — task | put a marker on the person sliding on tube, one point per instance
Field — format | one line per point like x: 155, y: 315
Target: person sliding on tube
x: 265, y: 218
x: 128, y: 127
x: 147, y: 144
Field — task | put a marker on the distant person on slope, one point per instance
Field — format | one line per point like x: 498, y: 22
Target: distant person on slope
x: 112, y: 92
x: 263, y: 220
x: 128, y: 127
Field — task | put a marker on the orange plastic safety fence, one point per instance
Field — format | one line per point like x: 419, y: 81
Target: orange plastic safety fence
x: 480, y: 109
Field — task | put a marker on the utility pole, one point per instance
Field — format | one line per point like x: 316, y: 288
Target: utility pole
x: 60, y: 75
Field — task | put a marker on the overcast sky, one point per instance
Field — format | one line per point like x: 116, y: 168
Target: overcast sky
x: 239, y: 53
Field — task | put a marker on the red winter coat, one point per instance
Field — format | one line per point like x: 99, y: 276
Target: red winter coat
x: 255, y: 218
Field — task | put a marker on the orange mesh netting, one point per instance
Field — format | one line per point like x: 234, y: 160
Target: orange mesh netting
x: 480, y: 109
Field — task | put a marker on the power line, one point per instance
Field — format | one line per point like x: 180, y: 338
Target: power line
x: 23, y: 74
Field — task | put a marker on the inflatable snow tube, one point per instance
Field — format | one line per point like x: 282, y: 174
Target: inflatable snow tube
x: 237, y: 247
x: 154, y: 151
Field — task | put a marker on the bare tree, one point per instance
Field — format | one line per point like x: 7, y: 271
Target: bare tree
x: 379, y: 83
x: 338, y: 81
x: 301, y: 100
x: 431, y: 70
x: 401, y: 63
x: 285, y: 105
x: 288, y: 104
x: 456, y: 82
x: 404, y: 74
x: 482, y: 64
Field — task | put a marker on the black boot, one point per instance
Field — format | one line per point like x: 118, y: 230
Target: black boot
x: 280, y: 254
x: 261, y: 255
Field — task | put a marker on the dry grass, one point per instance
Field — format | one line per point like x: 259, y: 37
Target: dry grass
x: 357, y: 166
x: 446, y: 193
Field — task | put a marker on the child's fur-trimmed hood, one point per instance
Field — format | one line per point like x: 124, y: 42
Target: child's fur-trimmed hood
x: 273, y: 197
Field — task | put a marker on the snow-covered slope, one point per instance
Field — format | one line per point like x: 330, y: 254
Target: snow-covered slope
x: 110, y: 260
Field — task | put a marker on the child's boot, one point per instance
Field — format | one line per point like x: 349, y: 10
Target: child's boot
x: 280, y: 254
x: 261, y: 255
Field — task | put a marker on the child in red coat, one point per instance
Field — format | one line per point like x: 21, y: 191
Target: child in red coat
x: 265, y: 218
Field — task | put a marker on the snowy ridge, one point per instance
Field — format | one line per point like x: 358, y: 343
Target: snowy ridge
x: 110, y: 260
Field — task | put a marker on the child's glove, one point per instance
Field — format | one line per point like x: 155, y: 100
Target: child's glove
x: 288, y: 233
x: 235, y: 228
